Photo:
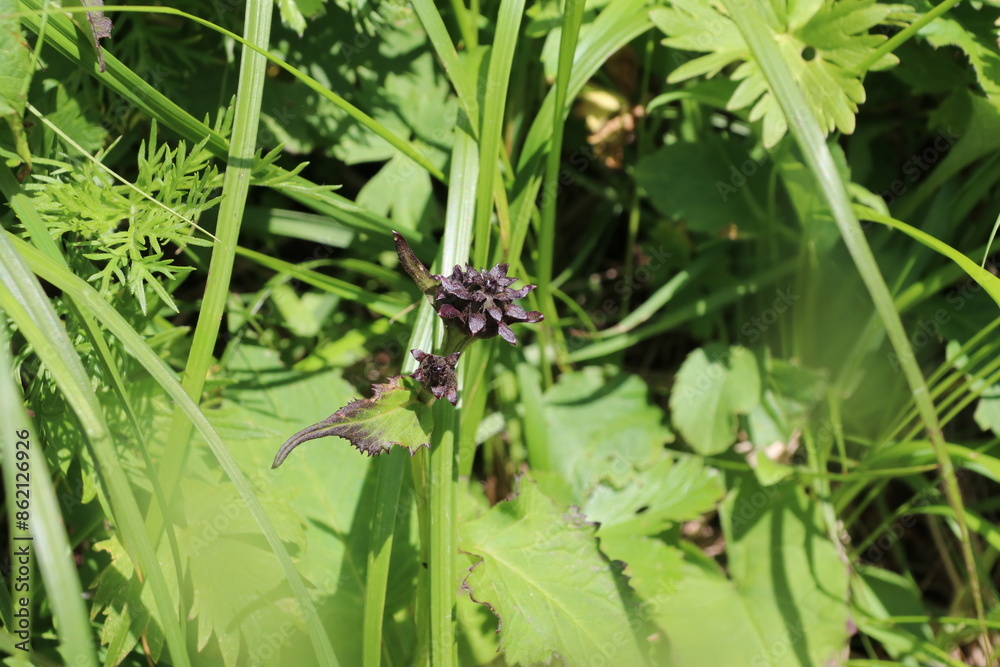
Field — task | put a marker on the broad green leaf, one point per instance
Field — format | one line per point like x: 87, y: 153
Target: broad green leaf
x: 240, y: 596
x: 687, y: 182
x: 540, y: 571
x: 987, y: 413
x: 785, y: 601
x: 665, y: 494
x: 394, y: 415
x: 821, y: 42
x: 789, y: 394
x: 601, y: 428
x: 714, y: 385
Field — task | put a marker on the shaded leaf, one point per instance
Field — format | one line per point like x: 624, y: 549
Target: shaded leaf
x: 822, y: 43
x: 785, y: 602
x: 974, y: 33
x: 689, y: 183
x: 14, y: 77
x: 656, y: 498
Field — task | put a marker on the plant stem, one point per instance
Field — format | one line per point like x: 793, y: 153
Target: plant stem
x: 804, y: 127
x: 909, y: 31
x: 235, y: 186
x: 443, y: 533
x: 572, y: 18
x: 388, y: 481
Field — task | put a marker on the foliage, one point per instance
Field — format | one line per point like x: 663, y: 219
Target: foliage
x: 824, y: 44
x: 713, y: 449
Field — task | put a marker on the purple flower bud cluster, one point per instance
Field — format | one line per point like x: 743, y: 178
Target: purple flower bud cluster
x: 483, y: 302
x: 475, y: 304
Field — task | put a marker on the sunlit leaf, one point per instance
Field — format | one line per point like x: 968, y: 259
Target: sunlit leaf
x: 714, y: 385
x: 540, y: 571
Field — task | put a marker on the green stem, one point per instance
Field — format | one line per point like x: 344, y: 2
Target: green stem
x: 498, y: 80
x: 572, y: 19
x: 236, y: 184
x: 443, y: 534
x: 465, y: 25
x: 808, y: 134
x: 906, y: 33
x: 389, y: 480
x: 420, y: 469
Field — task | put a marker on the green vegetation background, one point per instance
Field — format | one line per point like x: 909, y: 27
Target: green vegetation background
x: 759, y: 424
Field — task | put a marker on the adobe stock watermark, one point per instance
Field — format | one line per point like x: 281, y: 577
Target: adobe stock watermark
x: 928, y: 330
x: 739, y: 177
x: 918, y: 165
x: 758, y: 325
x: 895, y: 531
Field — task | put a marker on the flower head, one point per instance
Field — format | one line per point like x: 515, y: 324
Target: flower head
x: 437, y: 374
x: 483, y: 302
x: 479, y: 304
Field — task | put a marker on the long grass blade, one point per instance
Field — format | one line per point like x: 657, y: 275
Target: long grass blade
x: 133, y: 343
x: 491, y: 131
x: 49, y: 541
x: 26, y: 303
x: 572, y: 19
x: 809, y: 136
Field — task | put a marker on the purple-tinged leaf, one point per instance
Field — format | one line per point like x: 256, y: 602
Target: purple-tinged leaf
x: 100, y: 27
x: 393, y: 416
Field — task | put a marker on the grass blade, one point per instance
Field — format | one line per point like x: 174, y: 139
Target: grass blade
x: 50, y: 544
x: 24, y: 300
x: 491, y: 131
x: 572, y: 18
x: 809, y: 136
x: 133, y: 343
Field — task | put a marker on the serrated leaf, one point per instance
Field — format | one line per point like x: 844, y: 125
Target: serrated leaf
x: 540, y: 571
x: 714, y: 385
x: 394, y: 415
x: 239, y: 590
x: 974, y: 33
x: 822, y: 42
x: 111, y: 599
